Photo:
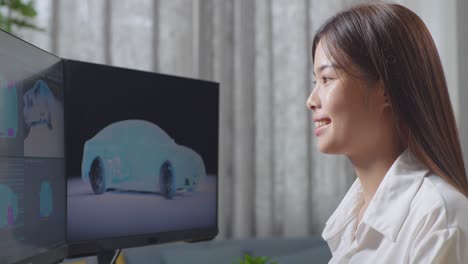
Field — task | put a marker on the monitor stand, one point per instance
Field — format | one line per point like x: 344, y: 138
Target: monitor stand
x: 108, y: 257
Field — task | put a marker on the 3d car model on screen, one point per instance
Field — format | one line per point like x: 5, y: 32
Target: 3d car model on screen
x: 138, y: 155
x: 37, y: 105
x: 8, y: 206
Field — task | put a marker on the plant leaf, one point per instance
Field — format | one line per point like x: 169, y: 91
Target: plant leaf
x: 25, y: 9
x: 25, y: 24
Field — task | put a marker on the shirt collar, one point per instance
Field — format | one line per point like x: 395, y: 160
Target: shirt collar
x: 391, y: 202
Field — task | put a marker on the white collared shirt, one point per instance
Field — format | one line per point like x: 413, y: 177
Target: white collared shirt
x: 414, y: 217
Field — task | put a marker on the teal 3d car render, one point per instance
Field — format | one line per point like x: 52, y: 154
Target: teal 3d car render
x: 137, y: 155
x: 37, y: 105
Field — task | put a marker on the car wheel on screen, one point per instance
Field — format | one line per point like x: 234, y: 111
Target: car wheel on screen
x: 189, y: 187
x: 166, y: 180
x: 96, y: 176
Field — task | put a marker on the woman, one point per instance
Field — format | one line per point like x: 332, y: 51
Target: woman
x: 381, y: 99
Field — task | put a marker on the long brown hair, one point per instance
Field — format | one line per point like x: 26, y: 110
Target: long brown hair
x: 389, y: 43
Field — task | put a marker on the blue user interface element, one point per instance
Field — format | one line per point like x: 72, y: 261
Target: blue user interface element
x: 8, y: 206
x: 45, y: 195
x: 8, y: 109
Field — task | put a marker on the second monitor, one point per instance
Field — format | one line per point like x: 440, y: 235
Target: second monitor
x: 142, y: 158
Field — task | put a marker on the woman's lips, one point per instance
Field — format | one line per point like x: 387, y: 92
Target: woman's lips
x: 319, y: 130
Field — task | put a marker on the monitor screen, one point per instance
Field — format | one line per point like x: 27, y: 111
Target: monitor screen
x: 32, y: 163
x: 142, y: 158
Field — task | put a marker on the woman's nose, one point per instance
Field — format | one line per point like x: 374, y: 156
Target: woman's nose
x: 312, y: 101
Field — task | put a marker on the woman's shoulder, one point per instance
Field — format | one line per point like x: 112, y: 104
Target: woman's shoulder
x: 440, y: 203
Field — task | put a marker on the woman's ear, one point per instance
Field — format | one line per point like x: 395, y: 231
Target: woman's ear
x: 386, y: 100
x: 383, y: 98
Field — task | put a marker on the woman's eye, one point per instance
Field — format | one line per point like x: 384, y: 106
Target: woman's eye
x: 326, y: 79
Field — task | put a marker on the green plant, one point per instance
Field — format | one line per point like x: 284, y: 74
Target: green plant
x: 17, y: 13
x: 247, y: 259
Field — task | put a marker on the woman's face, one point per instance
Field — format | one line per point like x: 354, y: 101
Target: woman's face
x: 347, y: 112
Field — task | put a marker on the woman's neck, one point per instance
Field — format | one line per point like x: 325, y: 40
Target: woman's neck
x: 372, y: 167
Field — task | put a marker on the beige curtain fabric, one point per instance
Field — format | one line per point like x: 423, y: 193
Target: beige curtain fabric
x: 273, y: 181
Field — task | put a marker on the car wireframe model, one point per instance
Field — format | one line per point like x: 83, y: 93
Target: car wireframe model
x: 37, y: 105
x: 8, y: 110
x: 137, y: 155
x: 8, y: 206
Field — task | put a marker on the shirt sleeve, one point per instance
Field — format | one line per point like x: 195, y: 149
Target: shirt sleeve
x: 448, y: 245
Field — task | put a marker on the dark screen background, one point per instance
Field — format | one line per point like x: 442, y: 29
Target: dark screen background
x: 99, y: 95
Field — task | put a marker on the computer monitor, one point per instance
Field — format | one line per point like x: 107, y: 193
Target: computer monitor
x: 142, y: 158
x: 32, y: 163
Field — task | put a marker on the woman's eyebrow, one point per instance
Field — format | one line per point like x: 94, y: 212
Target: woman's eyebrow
x: 324, y: 66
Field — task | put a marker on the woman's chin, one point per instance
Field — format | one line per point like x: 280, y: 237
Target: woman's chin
x: 327, y: 148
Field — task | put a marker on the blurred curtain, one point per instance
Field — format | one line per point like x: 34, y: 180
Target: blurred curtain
x: 273, y: 181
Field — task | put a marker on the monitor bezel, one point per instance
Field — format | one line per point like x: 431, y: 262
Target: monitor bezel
x: 54, y: 255
x: 95, y: 247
